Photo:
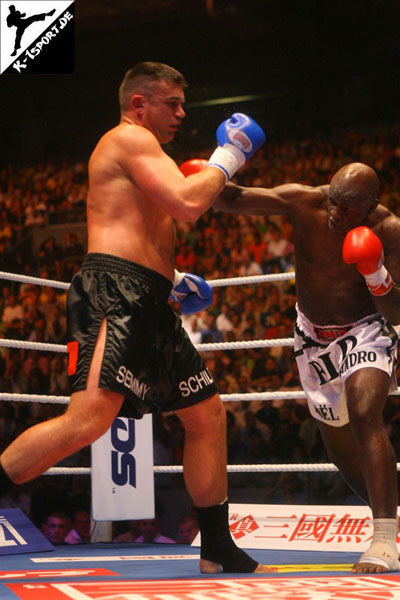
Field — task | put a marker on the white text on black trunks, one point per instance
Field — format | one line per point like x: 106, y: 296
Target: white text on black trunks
x: 127, y: 378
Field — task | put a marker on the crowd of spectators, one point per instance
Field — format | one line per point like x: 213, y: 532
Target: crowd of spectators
x: 216, y: 246
x: 39, y: 195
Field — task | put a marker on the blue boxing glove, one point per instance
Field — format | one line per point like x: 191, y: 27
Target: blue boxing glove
x: 192, y: 292
x: 239, y: 138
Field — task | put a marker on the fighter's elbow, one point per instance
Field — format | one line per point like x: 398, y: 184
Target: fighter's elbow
x: 190, y: 215
x: 192, y: 208
x: 186, y: 212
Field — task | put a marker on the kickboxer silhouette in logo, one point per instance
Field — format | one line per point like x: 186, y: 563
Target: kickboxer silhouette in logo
x: 15, y: 19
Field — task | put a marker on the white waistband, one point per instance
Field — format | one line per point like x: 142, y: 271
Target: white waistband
x: 307, y: 327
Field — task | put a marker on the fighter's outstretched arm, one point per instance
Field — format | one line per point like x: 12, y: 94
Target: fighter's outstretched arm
x: 278, y: 200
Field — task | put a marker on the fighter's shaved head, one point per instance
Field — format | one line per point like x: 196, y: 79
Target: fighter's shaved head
x: 358, y: 178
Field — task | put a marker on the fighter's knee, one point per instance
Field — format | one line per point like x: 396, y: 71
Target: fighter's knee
x: 85, y: 431
x: 365, y: 416
x: 216, y: 412
x: 203, y: 416
x: 366, y: 399
x: 362, y: 411
x: 90, y: 414
x: 91, y: 431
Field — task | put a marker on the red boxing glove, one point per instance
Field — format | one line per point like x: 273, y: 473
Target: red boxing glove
x: 362, y: 247
x: 193, y: 166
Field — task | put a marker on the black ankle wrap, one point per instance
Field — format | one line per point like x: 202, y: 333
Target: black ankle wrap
x: 217, y: 544
x: 5, y: 482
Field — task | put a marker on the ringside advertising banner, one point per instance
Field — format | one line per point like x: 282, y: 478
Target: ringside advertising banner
x: 300, y: 527
x: 37, y: 36
x: 18, y: 535
x: 122, y: 471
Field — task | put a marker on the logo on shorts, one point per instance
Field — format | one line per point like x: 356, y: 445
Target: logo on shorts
x: 325, y: 412
x: 37, y: 36
x: 330, y: 333
x: 196, y: 383
x: 325, y: 368
x: 127, y: 378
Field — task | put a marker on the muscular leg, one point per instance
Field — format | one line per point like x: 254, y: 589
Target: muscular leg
x: 342, y: 450
x: 363, y: 453
x: 366, y: 392
x: 89, y: 415
x: 205, y: 475
x: 204, y: 462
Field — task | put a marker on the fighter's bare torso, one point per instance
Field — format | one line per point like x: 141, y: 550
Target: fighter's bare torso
x: 328, y: 290
x: 122, y: 220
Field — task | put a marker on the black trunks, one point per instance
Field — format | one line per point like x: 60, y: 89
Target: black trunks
x: 148, y: 356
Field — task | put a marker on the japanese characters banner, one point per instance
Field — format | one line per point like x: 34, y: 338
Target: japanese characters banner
x: 300, y: 527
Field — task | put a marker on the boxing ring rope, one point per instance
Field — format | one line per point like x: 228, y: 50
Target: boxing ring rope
x: 261, y: 468
x: 213, y: 282
x: 248, y: 397
x: 202, y: 347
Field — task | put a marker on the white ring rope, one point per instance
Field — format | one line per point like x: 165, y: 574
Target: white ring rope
x: 251, y: 279
x: 6, y: 397
x: 262, y: 468
x: 34, y: 280
x: 33, y: 345
x: 243, y: 344
x: 249, y: 397
x: 45, y: 347
x: 213, y: 282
